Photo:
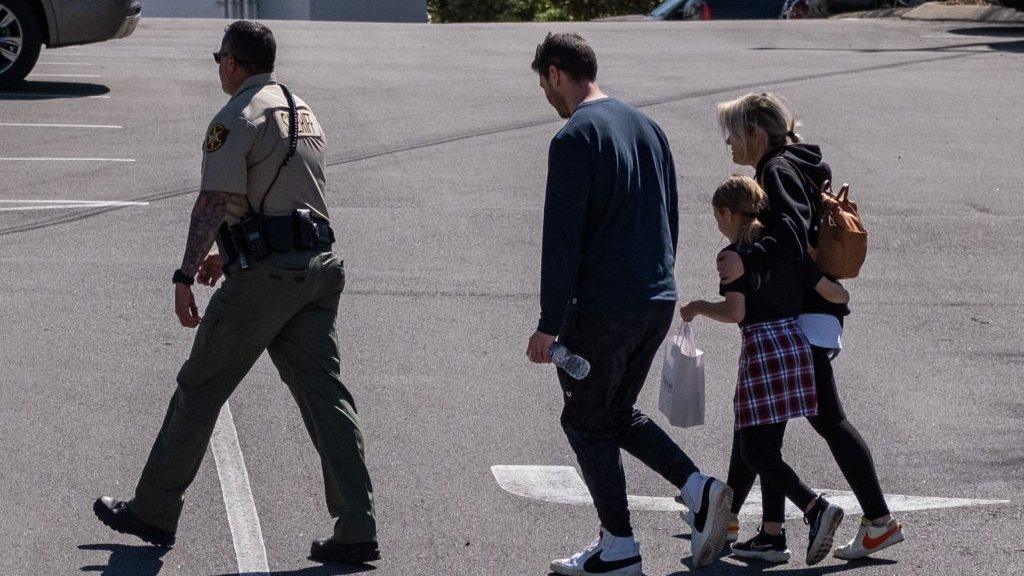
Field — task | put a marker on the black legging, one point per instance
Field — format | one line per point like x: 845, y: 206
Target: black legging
x: 847, y: 446
x: 757, y: 450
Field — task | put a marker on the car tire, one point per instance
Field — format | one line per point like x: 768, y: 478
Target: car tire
x: 23, y: 25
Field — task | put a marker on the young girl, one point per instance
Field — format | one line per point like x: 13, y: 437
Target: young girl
x: 776, y: 372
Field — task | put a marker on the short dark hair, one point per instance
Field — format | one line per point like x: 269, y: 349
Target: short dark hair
x: 252, y: 44
x: 570, y: 53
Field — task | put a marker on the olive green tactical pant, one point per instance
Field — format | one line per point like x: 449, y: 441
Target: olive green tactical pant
x: 287, y: 305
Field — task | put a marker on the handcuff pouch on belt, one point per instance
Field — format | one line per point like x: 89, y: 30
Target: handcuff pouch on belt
x: 256, y: 235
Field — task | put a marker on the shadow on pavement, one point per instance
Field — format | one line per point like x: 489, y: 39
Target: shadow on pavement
x: 148, y: 560
x: 1009, y: 46
x: 32, y: 90
x: 128, y: 560
x: 324, y: 570
x: 756, y: 567
x: 996, y: 31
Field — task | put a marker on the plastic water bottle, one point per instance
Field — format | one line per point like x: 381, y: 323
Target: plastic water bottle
x: 573, y: 365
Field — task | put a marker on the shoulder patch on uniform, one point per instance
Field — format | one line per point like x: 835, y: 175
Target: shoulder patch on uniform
x: 216, y: 138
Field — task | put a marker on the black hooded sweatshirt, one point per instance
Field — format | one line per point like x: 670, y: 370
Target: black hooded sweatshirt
x: 786, y: 175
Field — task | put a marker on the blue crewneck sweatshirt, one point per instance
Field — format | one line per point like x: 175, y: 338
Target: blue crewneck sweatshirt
x: 611, y: 214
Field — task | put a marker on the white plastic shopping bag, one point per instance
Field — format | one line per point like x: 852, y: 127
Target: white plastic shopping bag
x: 682, y: 380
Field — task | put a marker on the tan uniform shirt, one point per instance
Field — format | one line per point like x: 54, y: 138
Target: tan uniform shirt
x: 246, y: 143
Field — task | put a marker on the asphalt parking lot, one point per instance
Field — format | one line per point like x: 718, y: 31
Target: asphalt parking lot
x: 437, y: 155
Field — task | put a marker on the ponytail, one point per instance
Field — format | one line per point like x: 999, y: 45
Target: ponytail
x: 750, y: 232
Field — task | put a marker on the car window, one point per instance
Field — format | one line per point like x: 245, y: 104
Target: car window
x: 667, y: 8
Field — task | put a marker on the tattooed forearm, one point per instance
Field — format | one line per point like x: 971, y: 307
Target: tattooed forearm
x: 207, y: 215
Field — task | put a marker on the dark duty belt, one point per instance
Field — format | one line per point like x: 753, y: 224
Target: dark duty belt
x: 256, y: 238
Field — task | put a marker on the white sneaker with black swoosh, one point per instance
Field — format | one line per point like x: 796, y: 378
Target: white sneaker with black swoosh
x: 607, y: 556
x: 710, y: 500
x: 732, y: 531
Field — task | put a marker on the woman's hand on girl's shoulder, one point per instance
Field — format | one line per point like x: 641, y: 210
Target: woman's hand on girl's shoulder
x: 730, y: 266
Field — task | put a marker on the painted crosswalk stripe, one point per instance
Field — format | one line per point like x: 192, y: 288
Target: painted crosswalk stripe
x: 563, y: 485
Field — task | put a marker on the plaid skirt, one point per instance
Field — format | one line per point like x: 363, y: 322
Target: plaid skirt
x: 776, y: 377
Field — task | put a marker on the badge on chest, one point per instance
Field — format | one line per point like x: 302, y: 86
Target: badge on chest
x: 308, y: 125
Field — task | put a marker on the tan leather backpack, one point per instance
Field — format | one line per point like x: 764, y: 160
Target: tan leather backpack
x: 842, y: 239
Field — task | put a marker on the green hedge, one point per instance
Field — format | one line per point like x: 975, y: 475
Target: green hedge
x: 590, y: 9
x: 526, y: 10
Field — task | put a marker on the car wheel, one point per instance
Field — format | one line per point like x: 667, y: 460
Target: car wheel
x: 1018, y: 4
x: 796, y: 10
x: 20, y: 41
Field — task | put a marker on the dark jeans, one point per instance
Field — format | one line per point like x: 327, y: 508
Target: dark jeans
x: 599, y: 417
x: 757, y: 450
x: 848, y: 448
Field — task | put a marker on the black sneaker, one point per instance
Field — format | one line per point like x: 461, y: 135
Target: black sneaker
x: 764, y: 547
x: 116, y: 515
x: 823, y: 520
x: 330, y: 550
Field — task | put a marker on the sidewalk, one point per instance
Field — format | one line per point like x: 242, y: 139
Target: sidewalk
x: 935, y: 11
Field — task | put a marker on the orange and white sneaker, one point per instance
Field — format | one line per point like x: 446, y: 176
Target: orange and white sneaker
x: 871, y: 539
x: 732, y: 531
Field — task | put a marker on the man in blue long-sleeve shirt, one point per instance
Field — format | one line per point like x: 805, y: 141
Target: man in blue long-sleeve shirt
x: 608, y: 294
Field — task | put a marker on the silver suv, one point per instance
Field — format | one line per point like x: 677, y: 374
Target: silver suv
x: 25, y: 25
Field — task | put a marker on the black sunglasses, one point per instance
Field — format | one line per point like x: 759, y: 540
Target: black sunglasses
x: 218, y: 56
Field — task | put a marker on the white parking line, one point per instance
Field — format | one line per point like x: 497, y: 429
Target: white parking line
x: 83, y: 202
x: 67, y: 159
x: 250, y: 552
x: 563, y: 485
x: 40, y: 63
x: 25, y: 205
x: 69, y: 54
x: 92, y: 126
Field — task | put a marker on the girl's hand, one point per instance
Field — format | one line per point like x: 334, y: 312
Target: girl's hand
x: 688, y: 311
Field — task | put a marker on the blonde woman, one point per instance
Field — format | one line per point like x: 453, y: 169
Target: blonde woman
x: 761, y: 132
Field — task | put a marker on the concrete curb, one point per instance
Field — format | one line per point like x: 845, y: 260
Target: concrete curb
x: 936, y: 12
x: 880, y: 13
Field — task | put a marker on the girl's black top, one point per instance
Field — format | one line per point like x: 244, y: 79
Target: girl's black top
x: 776, y: 293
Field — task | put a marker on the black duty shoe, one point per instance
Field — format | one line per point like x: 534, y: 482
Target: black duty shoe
x: 116, y: 515
x: 764, y: 547
x: 823, y: 520
x: 331, y: 550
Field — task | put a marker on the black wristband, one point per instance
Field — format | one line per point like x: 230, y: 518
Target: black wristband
x: 182, y: 278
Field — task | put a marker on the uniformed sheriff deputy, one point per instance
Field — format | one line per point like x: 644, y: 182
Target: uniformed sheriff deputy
x: 262, y: 201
